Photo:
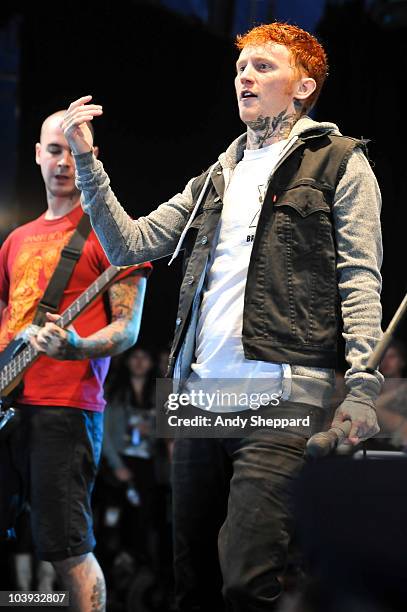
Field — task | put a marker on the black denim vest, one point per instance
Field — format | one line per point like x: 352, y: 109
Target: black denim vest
x: 291, y: 307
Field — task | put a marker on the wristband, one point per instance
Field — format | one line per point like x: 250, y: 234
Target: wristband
x: 73, y: 338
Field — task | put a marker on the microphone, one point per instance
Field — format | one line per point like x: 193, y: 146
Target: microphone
x: 324, y: 442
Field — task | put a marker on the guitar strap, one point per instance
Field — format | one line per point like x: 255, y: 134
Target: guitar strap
x: 63, y: 272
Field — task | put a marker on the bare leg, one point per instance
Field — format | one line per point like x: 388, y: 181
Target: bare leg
x: 83, y: 578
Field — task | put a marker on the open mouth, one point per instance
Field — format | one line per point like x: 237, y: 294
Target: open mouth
x: 247, y: 94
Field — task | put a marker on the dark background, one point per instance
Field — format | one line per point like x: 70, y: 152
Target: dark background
x: 166, y: 85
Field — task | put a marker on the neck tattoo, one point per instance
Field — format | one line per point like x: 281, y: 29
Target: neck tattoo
x: 265, y: 131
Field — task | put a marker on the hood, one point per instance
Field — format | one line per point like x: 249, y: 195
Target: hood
x: 304, y: 126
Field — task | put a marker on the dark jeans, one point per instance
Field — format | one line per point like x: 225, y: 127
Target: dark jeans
x: 233, y: 518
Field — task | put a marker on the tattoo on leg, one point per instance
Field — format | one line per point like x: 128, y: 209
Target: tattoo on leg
x: 98, y: 597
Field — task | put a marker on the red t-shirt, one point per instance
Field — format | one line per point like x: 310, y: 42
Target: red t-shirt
x: 28, y: 259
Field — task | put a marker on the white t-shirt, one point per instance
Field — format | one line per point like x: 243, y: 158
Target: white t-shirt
x: 219, y: 350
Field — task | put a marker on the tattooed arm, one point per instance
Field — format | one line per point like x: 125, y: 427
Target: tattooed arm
x: 126, y: 300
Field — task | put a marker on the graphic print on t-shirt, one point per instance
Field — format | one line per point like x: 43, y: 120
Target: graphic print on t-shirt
x: 253, y: 223
x: 33, y: 267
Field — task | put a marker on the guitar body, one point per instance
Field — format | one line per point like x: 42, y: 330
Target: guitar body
x: 8, y: 415
x: 11, y: 350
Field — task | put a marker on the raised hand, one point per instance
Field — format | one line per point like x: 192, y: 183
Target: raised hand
x: 74, y: 124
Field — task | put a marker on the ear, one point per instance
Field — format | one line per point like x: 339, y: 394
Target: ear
x: 304, y: 88
x: 37, y: 153
x: 96, y: 151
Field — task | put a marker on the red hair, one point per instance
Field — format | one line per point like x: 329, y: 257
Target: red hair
x: 308, y: 54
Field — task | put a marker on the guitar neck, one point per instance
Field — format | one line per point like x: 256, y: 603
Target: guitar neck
x: 91, y: 293
x: 12, y: 372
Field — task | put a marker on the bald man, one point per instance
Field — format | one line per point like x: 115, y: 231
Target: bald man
x: 51, y: 459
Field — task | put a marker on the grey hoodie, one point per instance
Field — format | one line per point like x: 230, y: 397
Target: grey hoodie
x: 356, y: 214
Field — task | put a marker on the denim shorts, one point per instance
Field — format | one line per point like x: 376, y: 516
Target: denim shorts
x: 50, y: 462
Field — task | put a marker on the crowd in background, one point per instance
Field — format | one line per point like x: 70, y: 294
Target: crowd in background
x: 132, y: 502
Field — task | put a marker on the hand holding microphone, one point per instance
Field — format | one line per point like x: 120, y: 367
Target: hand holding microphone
x: 325, y: 442
x: 353, y: 422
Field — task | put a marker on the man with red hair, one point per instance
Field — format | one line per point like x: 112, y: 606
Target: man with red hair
x: 280, y: 235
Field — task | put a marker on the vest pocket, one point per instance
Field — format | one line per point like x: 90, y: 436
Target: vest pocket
x: 299, y: 214
x: 304, y: 248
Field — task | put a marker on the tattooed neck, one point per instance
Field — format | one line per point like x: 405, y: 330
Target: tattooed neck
x: 265, y: 131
